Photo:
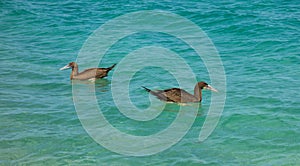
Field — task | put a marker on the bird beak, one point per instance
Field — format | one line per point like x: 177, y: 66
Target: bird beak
x: 208, y: 87
x: 65, y: 67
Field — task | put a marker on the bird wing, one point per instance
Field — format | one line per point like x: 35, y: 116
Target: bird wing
x: 179, y: 95
x: 102, y: 72
x: 161, y: 95
x: 86, y: 74
x: 173, y: 95
x: 92, y: 73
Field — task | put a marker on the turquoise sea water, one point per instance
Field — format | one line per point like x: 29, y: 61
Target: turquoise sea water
x: 258, y: 43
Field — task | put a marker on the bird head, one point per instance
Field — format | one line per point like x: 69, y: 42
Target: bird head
x: 70, y: 65
x: 204, y: 85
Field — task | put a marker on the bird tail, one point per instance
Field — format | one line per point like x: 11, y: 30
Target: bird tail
x: 111, y: 67
x: 148, y: 90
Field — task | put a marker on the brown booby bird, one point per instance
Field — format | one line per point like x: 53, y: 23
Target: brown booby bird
x: 88, y: 74
x: 177, y: 95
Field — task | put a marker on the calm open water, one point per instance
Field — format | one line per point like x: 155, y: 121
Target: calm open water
x: 259, y: 44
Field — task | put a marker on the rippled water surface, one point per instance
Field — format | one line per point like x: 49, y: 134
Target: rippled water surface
x: 258, y: 43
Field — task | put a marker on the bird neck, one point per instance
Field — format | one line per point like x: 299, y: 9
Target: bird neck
x: 74, y: 71
x: 198, y: 92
